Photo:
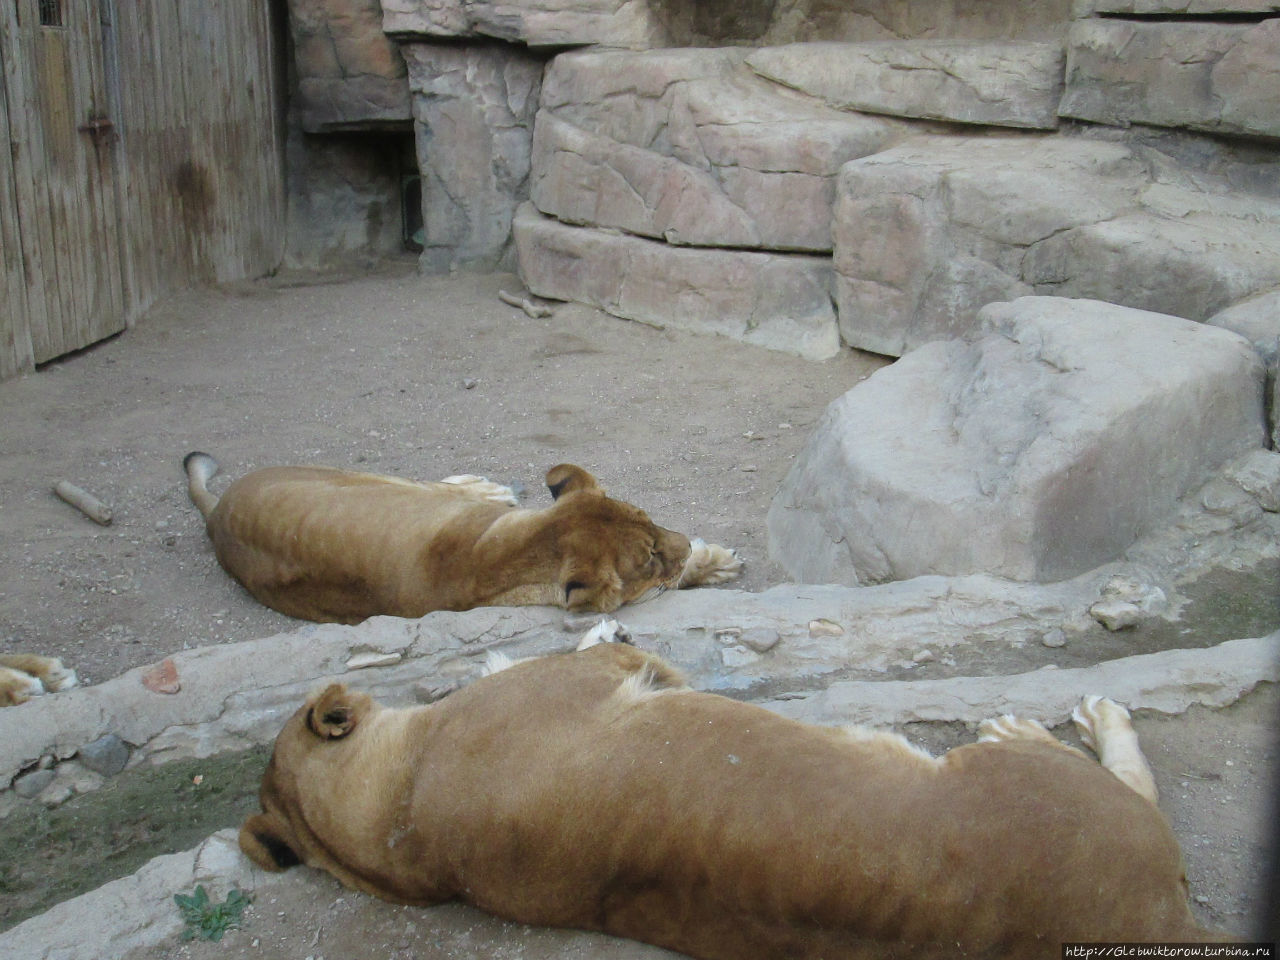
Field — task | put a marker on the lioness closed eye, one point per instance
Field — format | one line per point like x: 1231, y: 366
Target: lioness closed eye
x: 596, y: 790
x: 335, y: 545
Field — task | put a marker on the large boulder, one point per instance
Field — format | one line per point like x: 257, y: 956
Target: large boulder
x: 930, y: 230
x: 1038, y: 452
x: 774, y: 300
x: 691, y: 147
x: 1000, y: 83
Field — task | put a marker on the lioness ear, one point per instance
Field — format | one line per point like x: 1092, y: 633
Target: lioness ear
x: 566, y: 478
x: 263, y: 844
x: 336, y: 712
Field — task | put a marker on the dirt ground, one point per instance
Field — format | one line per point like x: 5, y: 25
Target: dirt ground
x: 424, y: 378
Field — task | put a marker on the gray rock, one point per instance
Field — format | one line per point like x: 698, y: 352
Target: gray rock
x: 29, y: 785
x: 1000, y: 83
x: 1258, y: 320
x: 1219, y: 77
x: 691, y: 147
x: 1037, y: 453
x: 773, y: 300
x: 474, y: 107
x: 1258, y: 474
x: 107, y: 755
x: 928, y: 232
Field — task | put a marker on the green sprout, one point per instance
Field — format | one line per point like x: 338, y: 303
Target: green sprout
x: 206, y: 920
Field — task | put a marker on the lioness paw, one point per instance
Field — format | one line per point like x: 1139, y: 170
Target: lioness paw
x: 1105, y: 727
x: 1009, y: 727
x: 606, y: 631
x: 482, y: 488
x: 57, y: 677
x: 17, y: 687
x: 709, y: 564
x: 1095, y: 717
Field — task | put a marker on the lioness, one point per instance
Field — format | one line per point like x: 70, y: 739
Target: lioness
x: 334, y: 545
x: 595, y: 790
x: 27, y: 675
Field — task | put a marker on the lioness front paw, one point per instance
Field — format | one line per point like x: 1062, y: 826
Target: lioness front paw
x: 708, y: 564
x: 1096, y: 717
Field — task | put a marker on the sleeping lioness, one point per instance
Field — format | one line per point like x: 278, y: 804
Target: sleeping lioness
x: 595, y: 790
x: 333, y: 545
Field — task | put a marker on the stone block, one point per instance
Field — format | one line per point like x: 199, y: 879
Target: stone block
x: 1174, y: 8
x: 689, y: 146
x: 929, y: 231
x: 532, y: 22
x: 350, y: 74
x: 1038, y: 452
x: 1219, y: 77
x: 474, y: 106
x: 774, y: 300
x: 1004, y: 84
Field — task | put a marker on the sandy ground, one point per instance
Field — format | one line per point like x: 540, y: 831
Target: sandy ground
x: 425, y: 378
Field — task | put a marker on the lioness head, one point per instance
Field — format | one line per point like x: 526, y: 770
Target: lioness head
x: 279, y: 837
x: 612, y: 552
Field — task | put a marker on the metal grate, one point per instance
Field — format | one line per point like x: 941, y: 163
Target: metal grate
x: 50, y: 13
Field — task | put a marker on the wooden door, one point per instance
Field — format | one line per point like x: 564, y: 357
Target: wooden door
x: 62, y: 192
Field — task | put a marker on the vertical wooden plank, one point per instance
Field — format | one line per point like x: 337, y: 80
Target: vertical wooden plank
x: 15, y: 332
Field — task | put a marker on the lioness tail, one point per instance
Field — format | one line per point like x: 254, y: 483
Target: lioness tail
x: 200, y: 468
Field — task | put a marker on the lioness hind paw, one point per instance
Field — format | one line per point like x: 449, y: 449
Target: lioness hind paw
x: 709, y: 563
x: 482, y: 488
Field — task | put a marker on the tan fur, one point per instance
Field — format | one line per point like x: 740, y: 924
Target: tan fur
x: 595, y: 790
x: 326, y: 544
x: 27, y: 675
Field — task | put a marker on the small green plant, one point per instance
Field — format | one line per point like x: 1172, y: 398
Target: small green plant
x: 206, y: 920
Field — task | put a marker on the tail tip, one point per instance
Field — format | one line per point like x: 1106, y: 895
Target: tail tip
x: 199, y: 460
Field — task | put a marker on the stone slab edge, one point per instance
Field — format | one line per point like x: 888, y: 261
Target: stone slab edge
x: 235, y: 696
x: 1168, y: 682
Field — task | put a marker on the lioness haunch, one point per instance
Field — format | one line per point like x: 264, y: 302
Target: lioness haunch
x: 595, y: 790
x: 327, y: 544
